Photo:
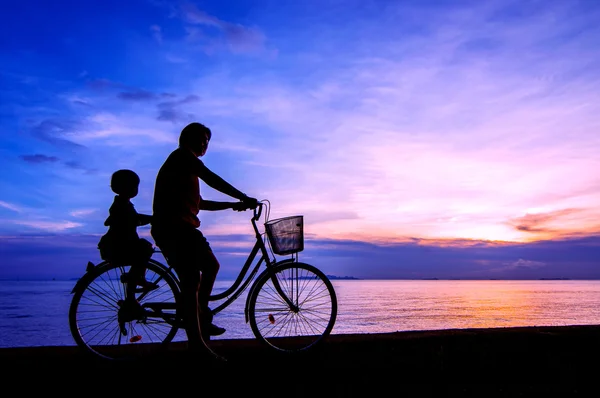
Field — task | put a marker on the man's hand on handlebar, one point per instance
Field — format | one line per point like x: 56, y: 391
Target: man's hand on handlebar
x: 250, y: 203
x: 242, y: 206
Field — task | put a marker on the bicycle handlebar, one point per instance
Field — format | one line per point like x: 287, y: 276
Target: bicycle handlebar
x: 256, y: 216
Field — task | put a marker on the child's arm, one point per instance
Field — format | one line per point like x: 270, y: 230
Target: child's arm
x: 144, y: 219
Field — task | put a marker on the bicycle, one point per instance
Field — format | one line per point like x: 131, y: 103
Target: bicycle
x: 291, y: 306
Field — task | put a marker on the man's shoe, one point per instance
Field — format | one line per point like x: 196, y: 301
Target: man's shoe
x: 212, y: 330
x: 215, y: 330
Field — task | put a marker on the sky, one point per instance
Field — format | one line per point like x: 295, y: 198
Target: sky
x: 419, y: 139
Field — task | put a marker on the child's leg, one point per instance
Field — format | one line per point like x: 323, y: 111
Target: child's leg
x: 140, y: 257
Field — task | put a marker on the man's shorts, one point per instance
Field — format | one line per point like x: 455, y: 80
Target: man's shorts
x: 184, y: 247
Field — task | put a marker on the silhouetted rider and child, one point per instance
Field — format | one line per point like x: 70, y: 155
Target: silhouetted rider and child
x: 175, y: 230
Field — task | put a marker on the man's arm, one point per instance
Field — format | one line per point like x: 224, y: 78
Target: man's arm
x: 216, y: 182
x: 212, y: 205
x: 237, y: 206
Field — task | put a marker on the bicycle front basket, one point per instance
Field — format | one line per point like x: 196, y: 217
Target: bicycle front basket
x: 286, y: 235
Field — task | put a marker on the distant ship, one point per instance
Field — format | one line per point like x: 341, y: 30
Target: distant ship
x: 330, y: 277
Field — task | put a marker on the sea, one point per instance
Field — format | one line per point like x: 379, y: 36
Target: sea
x: 34, y: 313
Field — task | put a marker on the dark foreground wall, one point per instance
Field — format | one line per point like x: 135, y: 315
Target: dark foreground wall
x: 512, y: 361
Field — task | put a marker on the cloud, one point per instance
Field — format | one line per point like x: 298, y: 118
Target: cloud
x: 82, y: 212
x: 47, y: 255
x: 537, y: 222
x: 169, y: 108
x: 78, y: 166
x: 427, y: 136
x: 39, y: 158
x: 122, y: 130
x: 127, y: 92
x: 50, y: 226
x: 452, y: 127
x: 239, y: 38
x: 328, y: 216
x: 170, y: 111
x: 82, y: 101
x: 525, y: 264
x: 576, y: 258
x: 10, y: 206
x: 175, y: 59
x: 569, y: 222
x: 157, y: 33
x: 54, y: 131
x: 572, y: 258
x: 138, y: 95
x: 104, y: 84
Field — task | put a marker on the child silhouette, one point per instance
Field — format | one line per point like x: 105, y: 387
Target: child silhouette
x: 121, y: 242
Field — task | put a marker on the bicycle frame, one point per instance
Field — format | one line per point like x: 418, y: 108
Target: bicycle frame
x: 287, y: 299
x: 239, y: 285
x: 244, y: 278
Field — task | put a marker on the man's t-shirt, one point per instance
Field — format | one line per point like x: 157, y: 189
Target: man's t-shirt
x: 177, y: 190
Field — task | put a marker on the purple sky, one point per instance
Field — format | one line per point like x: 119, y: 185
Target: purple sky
x: 418, y: 139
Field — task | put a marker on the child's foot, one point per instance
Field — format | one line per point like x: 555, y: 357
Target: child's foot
x: 130, y: 310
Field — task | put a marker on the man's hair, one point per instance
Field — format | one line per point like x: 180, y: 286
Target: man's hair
x: 122, y: 180
x: 193, y: 133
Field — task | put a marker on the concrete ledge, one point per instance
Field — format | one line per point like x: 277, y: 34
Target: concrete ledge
x: 346, y: 365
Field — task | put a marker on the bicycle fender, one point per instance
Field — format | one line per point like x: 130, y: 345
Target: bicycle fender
x: 274, y: 266
x: 98, y: 267
x: 88, y: 271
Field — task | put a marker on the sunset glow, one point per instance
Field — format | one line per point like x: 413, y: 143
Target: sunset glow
x: 382, y: 123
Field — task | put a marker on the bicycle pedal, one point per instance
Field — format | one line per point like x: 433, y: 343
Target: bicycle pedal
x: 146, y: 289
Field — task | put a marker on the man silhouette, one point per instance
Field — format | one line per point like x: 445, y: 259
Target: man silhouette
x: 175, y: 229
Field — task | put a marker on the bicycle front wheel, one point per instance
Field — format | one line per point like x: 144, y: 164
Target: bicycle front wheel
x: 304, y: 319
x: 104, y: 326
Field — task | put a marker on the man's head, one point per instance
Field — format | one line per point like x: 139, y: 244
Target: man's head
x: 195, y: 137
x: 125, y: 183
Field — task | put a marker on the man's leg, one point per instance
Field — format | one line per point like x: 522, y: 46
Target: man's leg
x: 181, y: 250
x: 190, y: 283
x: 209, y: 266
x: 207, y: 280
x: 192, y: 313
x: 210, y: 269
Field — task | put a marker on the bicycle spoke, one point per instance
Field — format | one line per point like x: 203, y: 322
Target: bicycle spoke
x: 307, y: 321
x: 101, y: 296
x: 97, y: 314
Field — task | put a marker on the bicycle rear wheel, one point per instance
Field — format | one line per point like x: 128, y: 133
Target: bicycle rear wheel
x: 101, y: 323
x: 304, y: 324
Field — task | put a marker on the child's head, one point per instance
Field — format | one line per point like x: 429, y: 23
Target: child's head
x: 125, y: 183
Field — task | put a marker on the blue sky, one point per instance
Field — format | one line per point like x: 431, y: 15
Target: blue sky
x: 454, y: 139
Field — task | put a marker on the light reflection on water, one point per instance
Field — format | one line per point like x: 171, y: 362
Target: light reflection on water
x: 35, y: 313
x: 388, y: 306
